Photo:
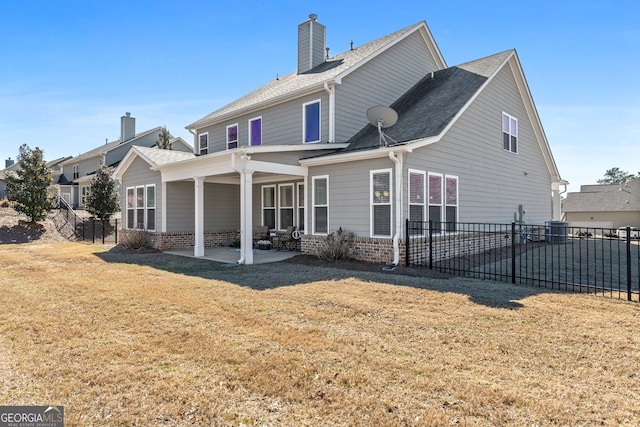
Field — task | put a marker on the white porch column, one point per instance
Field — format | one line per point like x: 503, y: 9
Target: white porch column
x: 198, y: 249
x: 163, y: 215
x: 246, y: 217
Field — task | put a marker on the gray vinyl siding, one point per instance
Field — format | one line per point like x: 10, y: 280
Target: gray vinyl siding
x: 492, y: 182
x: 221, y: 207
x: 138, y: 174
x: 380, y: 82
x: 281, y: 124
x: 180, y: 206
x: 349, y: 193
x: 85, y: 167
x: 118, y: 153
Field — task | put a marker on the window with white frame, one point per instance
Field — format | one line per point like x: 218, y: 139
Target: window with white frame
x: 509, y: 133
x: 311, y: 121
x: 255, y: 131
x: 232, y: 136
x: 435, y: 201
x: 203, y: 143
x: 320, y: 199
x: 76, y: 172
x: 84, y: 190
x: 141, y: 207
x: 285, y: 205
x: 417, y: 198
x: 150, y: 207
x: 131, y: 207
x: 300, y: 206
x: 269, y: 206
x: 381, y: 203
x: 451, y: 202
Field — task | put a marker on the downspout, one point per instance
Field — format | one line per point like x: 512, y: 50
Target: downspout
x: 331, y: 90
x: 241, y: 172
x: 397, y: 159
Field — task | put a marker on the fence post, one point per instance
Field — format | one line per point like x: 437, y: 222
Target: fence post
x: 116, y: 230
x: 628, y: 263
x: 430, y: 244
x: 406, y: 243
x: 513, y: 252
x: 103, y: 229
x: 93, y: 230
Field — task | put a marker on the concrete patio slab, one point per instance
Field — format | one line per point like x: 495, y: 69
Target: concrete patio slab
x: 232, y: 255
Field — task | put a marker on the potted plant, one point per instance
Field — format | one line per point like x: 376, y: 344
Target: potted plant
x: 264, y: 244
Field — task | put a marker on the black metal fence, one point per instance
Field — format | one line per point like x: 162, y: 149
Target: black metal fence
x: 75, y: 227
x: 553, y: 255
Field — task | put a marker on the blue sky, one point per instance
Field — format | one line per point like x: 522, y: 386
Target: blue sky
x: 70, y: 69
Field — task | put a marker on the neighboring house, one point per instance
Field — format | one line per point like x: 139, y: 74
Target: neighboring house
x: 74, y: 182
x: 604, y: 206
x: 468, y: 146
x: 11, y: 167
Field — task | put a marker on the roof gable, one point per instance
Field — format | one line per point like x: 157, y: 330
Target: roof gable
x: 152, y: 155
x: 293, y: 84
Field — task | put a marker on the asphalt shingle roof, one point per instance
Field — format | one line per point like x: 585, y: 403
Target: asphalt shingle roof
x: 427, y: 108
x: 293, y: 82
x: 162, y: 157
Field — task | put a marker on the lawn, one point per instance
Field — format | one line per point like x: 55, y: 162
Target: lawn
x: 154, y: 339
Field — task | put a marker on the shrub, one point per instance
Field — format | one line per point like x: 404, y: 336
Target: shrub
x: 337, y: 246
x: 584, y: 234
x: 134, y: 239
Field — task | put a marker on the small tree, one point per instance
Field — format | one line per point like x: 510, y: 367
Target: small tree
x: 615, y: 176
x: 164, y: 139
x: 102, y: 201
x: 28, y: 185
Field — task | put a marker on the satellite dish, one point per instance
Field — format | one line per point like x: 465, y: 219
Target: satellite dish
x: 382, y: 117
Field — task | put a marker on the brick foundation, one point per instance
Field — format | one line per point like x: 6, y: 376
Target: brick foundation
x: 368, y: 249
x: 186, y: 240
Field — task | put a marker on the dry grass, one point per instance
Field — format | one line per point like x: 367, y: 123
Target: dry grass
x: 160, y: 340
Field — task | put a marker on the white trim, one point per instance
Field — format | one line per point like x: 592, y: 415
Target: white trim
x: 304, y: 121
x: 388, y: 171
x: 147, y: 207
x: 200, y: 153
x: 300, y: 204
x: 457, y: 205
x: 424, y: 193
x: 442, y: 195
x: 249, y: 122
x: 280, y: 207
x: 314, y: 205
x: 263, y: 207
x: 226, y: 136
x: 509, y: 131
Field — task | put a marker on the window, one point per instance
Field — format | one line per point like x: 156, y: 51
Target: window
x: 203, y: 143
x: 451, y: 202
x: 269, y: 206
x: 76, y: 172
x: 381, y: 203
x: 255, y: 131
x: 232, y: 136
x: 150, y: 207
x: 131, y: 207
x: 416, y: 195
x: 311, y: 121
x: 85, y: 193
x: 141, y: 207
x: 435, y: 201
x: 301, y: 206
x: 285, y: 205
x: 509, y: 133
x: 320, y: 198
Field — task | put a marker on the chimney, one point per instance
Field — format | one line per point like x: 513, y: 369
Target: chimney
x: 311, y: 44
x: 8, y: 163
x: 127, y: 127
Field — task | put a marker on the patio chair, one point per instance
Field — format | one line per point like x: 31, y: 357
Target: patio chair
x: 286, y: 238
x: 261, y: 233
